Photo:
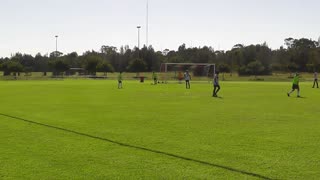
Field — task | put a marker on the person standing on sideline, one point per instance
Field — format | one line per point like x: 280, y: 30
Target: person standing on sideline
x: 120, y: 80
x: 295, y: 85
x: 216, y: 84
x: 187, y: 77
x: 155, y: 78
x: 315, y: 80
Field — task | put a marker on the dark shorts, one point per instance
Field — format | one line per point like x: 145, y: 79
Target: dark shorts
x: 120, y: 81
x: 154, y: 79
x: 216, y: 86
x: 295, y: 86
x: 187, y: 81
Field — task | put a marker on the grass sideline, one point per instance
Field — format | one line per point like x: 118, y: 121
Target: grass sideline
x: 253, y: 128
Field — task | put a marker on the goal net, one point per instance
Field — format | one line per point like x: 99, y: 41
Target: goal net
x: 174, y: 72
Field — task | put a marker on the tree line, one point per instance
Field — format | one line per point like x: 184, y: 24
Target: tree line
x: 301, y: 55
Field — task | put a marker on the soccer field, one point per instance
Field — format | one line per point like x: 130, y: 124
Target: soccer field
x: 86, y: 129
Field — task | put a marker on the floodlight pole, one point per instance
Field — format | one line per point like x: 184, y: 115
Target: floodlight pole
x: 138, y: 27
x: 147, y: 23
x: 56, y: 43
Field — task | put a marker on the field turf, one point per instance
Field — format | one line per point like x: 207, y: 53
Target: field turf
x: 87, y: 129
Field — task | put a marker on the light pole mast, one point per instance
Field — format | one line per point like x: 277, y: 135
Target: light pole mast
x: 147, y: 28
x: 56, y: 43
x: 138, y: 27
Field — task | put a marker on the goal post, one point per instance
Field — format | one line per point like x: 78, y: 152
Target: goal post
x: 174, y: 71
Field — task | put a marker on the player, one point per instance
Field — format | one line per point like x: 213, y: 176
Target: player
x: 315, y: 81
x: 120, y: 80
x: 216, y: 85
x: 295, y: 85
x: 187, y: 77
x: 155, y: 78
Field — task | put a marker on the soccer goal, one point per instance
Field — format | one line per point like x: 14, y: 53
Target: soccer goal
x: 174, y: 72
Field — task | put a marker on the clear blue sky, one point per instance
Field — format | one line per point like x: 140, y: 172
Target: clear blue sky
x: 29, y: 26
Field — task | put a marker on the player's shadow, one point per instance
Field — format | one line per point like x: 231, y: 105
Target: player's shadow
x: 141, y: 148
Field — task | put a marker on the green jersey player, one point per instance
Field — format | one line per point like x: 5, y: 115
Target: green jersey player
x: 295, y: 85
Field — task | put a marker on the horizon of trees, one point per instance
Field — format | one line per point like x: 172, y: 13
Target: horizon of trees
x: 297, y: 55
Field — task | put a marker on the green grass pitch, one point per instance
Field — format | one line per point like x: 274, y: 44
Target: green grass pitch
x: 86, y: 129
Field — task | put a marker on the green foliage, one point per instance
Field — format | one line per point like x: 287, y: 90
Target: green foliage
x: 11, y: 67
x: 28, y: 70
x: 293, y: 67
x: 312, y: 67
x: 301, y: 52
x: 92, y: 62
x: 59, y: 66
x: 255, y: 68
x: 56, y: 54
x: 224, y: 68
x: 105, y: 67
x: 137, y: 65
x: 276, y: 67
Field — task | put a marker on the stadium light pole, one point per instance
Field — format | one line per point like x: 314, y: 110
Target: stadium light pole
x: 147, y: 24
x: 56, y: 43
x: 138, y: 27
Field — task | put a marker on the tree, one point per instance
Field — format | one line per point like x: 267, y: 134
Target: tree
x: 11, y: 67
x: 108, y: 50
x: 72, y: 59
x: 41, y: 63
x: 314, y: 60
x: 255, y: 68
x: 297, y: 54
x: 92, y: 62
x: 224, y: 68
x: 292, y: 67
x: 56, y: 54
x: 59, y: 66
x: 105, y: 67
x: 276, y: 67
x: 289, y: 42
x: 137, y: 65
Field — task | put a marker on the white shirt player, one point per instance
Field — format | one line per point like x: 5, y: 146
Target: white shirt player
x: 315, y: 75
x: 216, y: 80
x: 187, y: 76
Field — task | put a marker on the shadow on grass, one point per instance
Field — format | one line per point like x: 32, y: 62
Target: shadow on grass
x: 301, y: 97
x: 141, y: 148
